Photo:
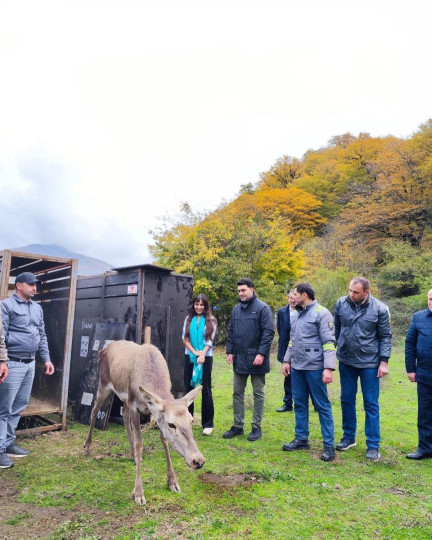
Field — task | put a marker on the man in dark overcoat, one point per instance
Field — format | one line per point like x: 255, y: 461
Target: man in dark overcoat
x: 418, y: 363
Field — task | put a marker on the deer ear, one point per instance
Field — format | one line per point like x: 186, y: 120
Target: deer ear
x: 153, y: 398
x: 190, y: 397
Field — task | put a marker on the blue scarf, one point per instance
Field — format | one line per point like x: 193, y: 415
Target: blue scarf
x: 196, y: 336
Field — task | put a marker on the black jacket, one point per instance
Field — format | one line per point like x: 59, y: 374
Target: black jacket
x: 283, y: 325
x: 250, y: 332
x: 418, y: 346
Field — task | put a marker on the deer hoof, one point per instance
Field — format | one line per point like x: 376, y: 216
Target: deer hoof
x: 174, y: 487
x: 139, y: 498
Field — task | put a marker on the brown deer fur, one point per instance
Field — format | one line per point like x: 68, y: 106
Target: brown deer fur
x: 139, y: 375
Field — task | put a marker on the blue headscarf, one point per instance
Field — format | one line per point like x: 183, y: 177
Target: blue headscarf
x: 196, y: 336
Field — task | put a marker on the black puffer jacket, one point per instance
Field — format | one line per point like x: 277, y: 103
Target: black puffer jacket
x: 250, y: 332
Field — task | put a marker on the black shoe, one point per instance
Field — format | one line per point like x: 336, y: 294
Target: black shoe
x: 16, y: 451
x: 373, y: 454
x: 285, y: 408
x: 297, y: 444
x: 233, y: 432
x: 419, y: 455
x: 345, y: 444
x: 328, y: 453
x: 255, y: 434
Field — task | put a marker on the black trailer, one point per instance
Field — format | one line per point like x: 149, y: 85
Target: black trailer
x: 56, y: 295
x: 144, y: 304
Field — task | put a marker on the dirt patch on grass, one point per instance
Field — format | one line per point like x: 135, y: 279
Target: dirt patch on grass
x: 27, y: 521
x: 229, y: 480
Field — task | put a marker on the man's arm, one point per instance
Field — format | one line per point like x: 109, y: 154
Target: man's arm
x: 411, y: 350
x: 337, y: 320
x: 326, y: 329
x: 267, y: 331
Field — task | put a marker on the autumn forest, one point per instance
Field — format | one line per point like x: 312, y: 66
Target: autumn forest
x: 359, y: 206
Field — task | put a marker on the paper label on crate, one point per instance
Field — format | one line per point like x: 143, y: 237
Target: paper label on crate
x: 86, y: 399
x: 85, y: 341
x: 96, y: 345
x: 132, y: 289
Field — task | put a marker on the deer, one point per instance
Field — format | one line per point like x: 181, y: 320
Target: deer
x: 139, y: 376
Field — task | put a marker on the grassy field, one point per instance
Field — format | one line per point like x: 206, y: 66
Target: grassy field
x: 246, y: 490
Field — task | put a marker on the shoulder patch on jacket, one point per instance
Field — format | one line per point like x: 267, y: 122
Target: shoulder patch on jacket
x: 318, y: 308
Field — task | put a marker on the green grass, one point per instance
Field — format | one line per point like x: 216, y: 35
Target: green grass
x: 295, y: 495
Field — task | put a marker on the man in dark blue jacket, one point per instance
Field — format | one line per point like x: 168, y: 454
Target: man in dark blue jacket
x: 285, y: 316
x: 418, y: 362
x: 250, y: 333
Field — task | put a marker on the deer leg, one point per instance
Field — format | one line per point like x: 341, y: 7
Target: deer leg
x: 101, y: 396
x: 127, y: 423
x: 138, y: 492
x: 172, y: 479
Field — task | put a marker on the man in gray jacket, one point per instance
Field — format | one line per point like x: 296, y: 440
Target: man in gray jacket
x: 250, y: 333
x: 311, y: 359
x: 363, y: 334
x: 25, y: 336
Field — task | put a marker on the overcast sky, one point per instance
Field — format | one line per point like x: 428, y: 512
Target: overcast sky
x: 114, y: 112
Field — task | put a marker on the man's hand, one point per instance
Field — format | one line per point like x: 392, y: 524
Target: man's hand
x: 382, y: 370
x: 286, y: 369
x: 49, y: 368
x: 259, y: 359
x: 4, y: 371
x: 230, y: 358
x: 411, y: 376
x: 327, y: 376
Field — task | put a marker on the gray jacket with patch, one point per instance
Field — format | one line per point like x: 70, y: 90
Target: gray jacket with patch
x: 312, y: 345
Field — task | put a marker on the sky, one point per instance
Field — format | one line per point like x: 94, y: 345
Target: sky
x: 114, y: 113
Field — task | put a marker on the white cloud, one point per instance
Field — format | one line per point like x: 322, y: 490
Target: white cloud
x: 114, y: 112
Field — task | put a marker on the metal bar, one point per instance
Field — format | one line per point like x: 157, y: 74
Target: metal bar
x: 68, y: 340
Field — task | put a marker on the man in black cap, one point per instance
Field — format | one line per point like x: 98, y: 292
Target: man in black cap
x: 24, y: 332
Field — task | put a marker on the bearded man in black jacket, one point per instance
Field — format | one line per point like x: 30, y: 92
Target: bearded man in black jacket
x: 250, y: 334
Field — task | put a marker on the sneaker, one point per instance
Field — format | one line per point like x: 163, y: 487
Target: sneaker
x: 373, y: 454
x: 345, y: 444
x: 255, y: 434
x: 5, y: 461
x: 208, y: 431
x: 297, y: 444
x: 15, y: 451
x: 328, y: 453
x: 233, y: 432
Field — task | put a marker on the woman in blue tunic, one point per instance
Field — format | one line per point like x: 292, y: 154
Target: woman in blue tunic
x: 199, y: 331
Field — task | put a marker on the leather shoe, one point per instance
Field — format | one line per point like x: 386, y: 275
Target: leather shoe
x: 296, y: 444
x: 285, y: 408
x: 255, y: 434
x: 419, y: 455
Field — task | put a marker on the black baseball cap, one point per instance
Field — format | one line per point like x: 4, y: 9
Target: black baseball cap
x: 26, y: 277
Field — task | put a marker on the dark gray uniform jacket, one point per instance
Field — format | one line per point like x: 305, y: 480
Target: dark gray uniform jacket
x: 24, y: 328
x: 312, y: 344
x: 250, y: 332
x: 363, y: 336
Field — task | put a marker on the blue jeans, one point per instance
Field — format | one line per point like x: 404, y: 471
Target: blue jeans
x: 370, y: 389
x: 14, y: 397
x: 310, y: 382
